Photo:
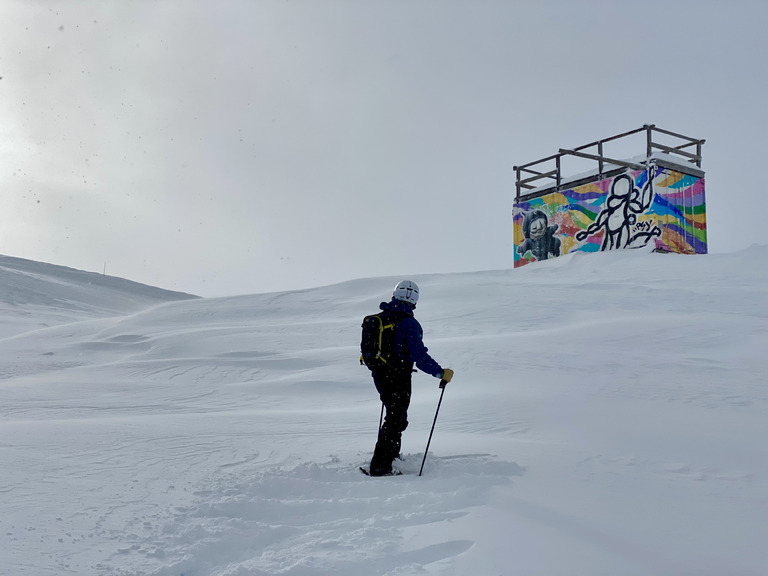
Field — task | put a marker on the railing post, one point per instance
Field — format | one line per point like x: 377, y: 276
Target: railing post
x: 557, y: 165
x: 649, y: 141
x: 600, y: 153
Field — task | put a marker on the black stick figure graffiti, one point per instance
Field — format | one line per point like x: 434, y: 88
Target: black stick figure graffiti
x: 619, y: 215
x: 539, y: 237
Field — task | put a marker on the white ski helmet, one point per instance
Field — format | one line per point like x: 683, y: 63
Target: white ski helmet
x: 406, y: 291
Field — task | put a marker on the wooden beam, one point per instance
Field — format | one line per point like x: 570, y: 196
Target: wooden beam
x: 547, y: 159
x: 676, y: 151
x: 675, y: 134
x: 529, y: 171
x: 603, y: 158
x: 612, y: 138
x: 551, y: 174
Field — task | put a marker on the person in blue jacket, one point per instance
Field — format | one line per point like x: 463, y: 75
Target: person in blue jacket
x: 393, y: 380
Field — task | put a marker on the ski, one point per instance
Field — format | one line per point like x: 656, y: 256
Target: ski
x: 394, y: 472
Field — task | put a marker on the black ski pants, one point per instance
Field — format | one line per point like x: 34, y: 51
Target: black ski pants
x: 394, y: 388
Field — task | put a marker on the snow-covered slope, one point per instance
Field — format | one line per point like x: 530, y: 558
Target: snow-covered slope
x: 34, y: 294
x: 608, y: 416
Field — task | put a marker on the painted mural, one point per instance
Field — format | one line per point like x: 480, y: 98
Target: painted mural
x: 631, y: 210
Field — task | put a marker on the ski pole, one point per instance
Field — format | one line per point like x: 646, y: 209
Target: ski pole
x: 381, y: 417
x: 442, y: 387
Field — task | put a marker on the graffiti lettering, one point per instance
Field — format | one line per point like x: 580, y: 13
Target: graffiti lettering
x: 643, y: 226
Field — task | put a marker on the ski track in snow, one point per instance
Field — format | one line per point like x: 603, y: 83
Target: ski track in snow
x: 607, y: 417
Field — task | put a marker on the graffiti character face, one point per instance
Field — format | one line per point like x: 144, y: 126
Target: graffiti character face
x: 622, y: 187
x: 538, y: 228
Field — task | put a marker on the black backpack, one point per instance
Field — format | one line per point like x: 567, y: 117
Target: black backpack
x: 377, y: 346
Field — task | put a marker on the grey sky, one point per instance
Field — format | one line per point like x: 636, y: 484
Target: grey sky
x: 234, y: 147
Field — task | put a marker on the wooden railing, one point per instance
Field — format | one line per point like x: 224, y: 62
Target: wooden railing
x: 526, y: 175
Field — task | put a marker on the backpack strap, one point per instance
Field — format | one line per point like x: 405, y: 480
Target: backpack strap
x: 382, y: 321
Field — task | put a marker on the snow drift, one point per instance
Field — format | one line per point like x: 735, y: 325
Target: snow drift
x: 608, y: 416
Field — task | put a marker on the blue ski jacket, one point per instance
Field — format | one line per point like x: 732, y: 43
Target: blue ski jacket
x: 409, y: 345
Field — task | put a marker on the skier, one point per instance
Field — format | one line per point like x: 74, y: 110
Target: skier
x: 393, y: 380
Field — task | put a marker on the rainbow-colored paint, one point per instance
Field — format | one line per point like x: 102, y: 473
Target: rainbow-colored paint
x: 628, y: 210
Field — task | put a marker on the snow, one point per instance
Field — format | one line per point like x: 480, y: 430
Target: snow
x: 33, y: 294
x: 608, y: 416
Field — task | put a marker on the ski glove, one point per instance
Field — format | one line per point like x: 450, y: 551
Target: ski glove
x: 447, y: 375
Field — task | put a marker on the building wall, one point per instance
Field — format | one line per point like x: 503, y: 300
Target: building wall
x: 629, y: 210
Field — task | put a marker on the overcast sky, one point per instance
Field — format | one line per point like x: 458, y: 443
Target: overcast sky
x: 237, y: 147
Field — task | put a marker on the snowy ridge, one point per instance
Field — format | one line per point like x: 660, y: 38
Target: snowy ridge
x: 607, y: 417
x: 34, y: 294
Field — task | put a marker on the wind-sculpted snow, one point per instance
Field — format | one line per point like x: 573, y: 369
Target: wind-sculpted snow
x: 322, y: 518
x: 607, y: 417
x: 37, y: 295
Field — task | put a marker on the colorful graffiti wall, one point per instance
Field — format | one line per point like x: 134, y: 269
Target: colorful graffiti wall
x: 629, y: 210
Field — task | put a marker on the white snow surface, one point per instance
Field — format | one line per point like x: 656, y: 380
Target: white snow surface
x: 607, y: 417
